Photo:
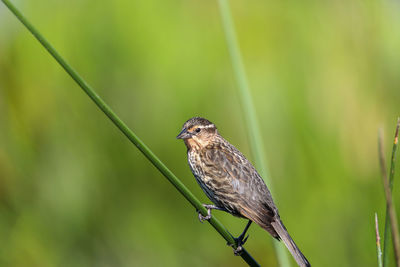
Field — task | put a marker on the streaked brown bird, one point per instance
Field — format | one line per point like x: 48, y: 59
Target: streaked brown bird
x: 232, y: 183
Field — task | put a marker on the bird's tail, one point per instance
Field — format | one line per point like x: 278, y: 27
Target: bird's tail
x: 289, y: 243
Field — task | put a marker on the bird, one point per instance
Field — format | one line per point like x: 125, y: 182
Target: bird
x: 232, y: 183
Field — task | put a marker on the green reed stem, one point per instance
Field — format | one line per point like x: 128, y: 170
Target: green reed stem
x: 128, y: 133
x: 378, y: 242
x: 253, y: 130
x: 391, y: 225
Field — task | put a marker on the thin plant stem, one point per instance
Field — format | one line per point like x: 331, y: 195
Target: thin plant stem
x: 250, y: 117
x: 378, y: 242
x: 391, y: 225
x: 129, y: 134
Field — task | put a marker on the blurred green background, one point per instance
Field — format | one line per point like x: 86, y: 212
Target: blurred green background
x: 74, y: 192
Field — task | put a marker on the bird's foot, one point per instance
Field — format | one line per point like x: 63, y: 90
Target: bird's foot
x: 203, y: 218
x: 239, y: 242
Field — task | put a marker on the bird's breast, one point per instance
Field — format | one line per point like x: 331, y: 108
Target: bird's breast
x: 215, y: 184
x: 199, y: 171
x: 196, y: 165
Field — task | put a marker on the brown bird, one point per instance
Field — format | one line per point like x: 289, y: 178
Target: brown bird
x: 232, y: 183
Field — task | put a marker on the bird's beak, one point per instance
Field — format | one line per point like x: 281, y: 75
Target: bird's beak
x: 184, y: 134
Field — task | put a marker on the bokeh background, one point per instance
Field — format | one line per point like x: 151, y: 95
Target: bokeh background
x: 324, y: 76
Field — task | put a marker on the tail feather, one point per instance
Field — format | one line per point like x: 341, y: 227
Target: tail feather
x: 275, y: 227
x: 292, y: 247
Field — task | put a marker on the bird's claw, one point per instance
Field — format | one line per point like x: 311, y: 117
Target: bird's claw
x: 238, y: 242
x: 203, y: 218
x: 238, y: 251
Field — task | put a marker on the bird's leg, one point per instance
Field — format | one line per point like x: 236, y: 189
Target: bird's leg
x: 209, y: 208
x: 241, y: 240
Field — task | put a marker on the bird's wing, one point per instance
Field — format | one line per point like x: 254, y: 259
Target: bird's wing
x: 241, y: 184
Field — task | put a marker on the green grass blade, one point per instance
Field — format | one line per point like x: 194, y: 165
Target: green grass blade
x: 253, y: 130
x: 391, y: 225
x: 378, y: 242
x: 128, y: 133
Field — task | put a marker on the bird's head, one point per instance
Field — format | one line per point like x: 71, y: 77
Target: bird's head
x: 199, y: 130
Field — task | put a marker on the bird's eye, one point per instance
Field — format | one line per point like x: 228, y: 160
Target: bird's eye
x: 197, y: 130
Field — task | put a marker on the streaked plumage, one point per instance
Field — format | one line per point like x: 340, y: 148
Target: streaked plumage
x: 231, y: 182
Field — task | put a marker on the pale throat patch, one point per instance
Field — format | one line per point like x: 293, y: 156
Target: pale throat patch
x: 193, y: 144
x: 196, y: 143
